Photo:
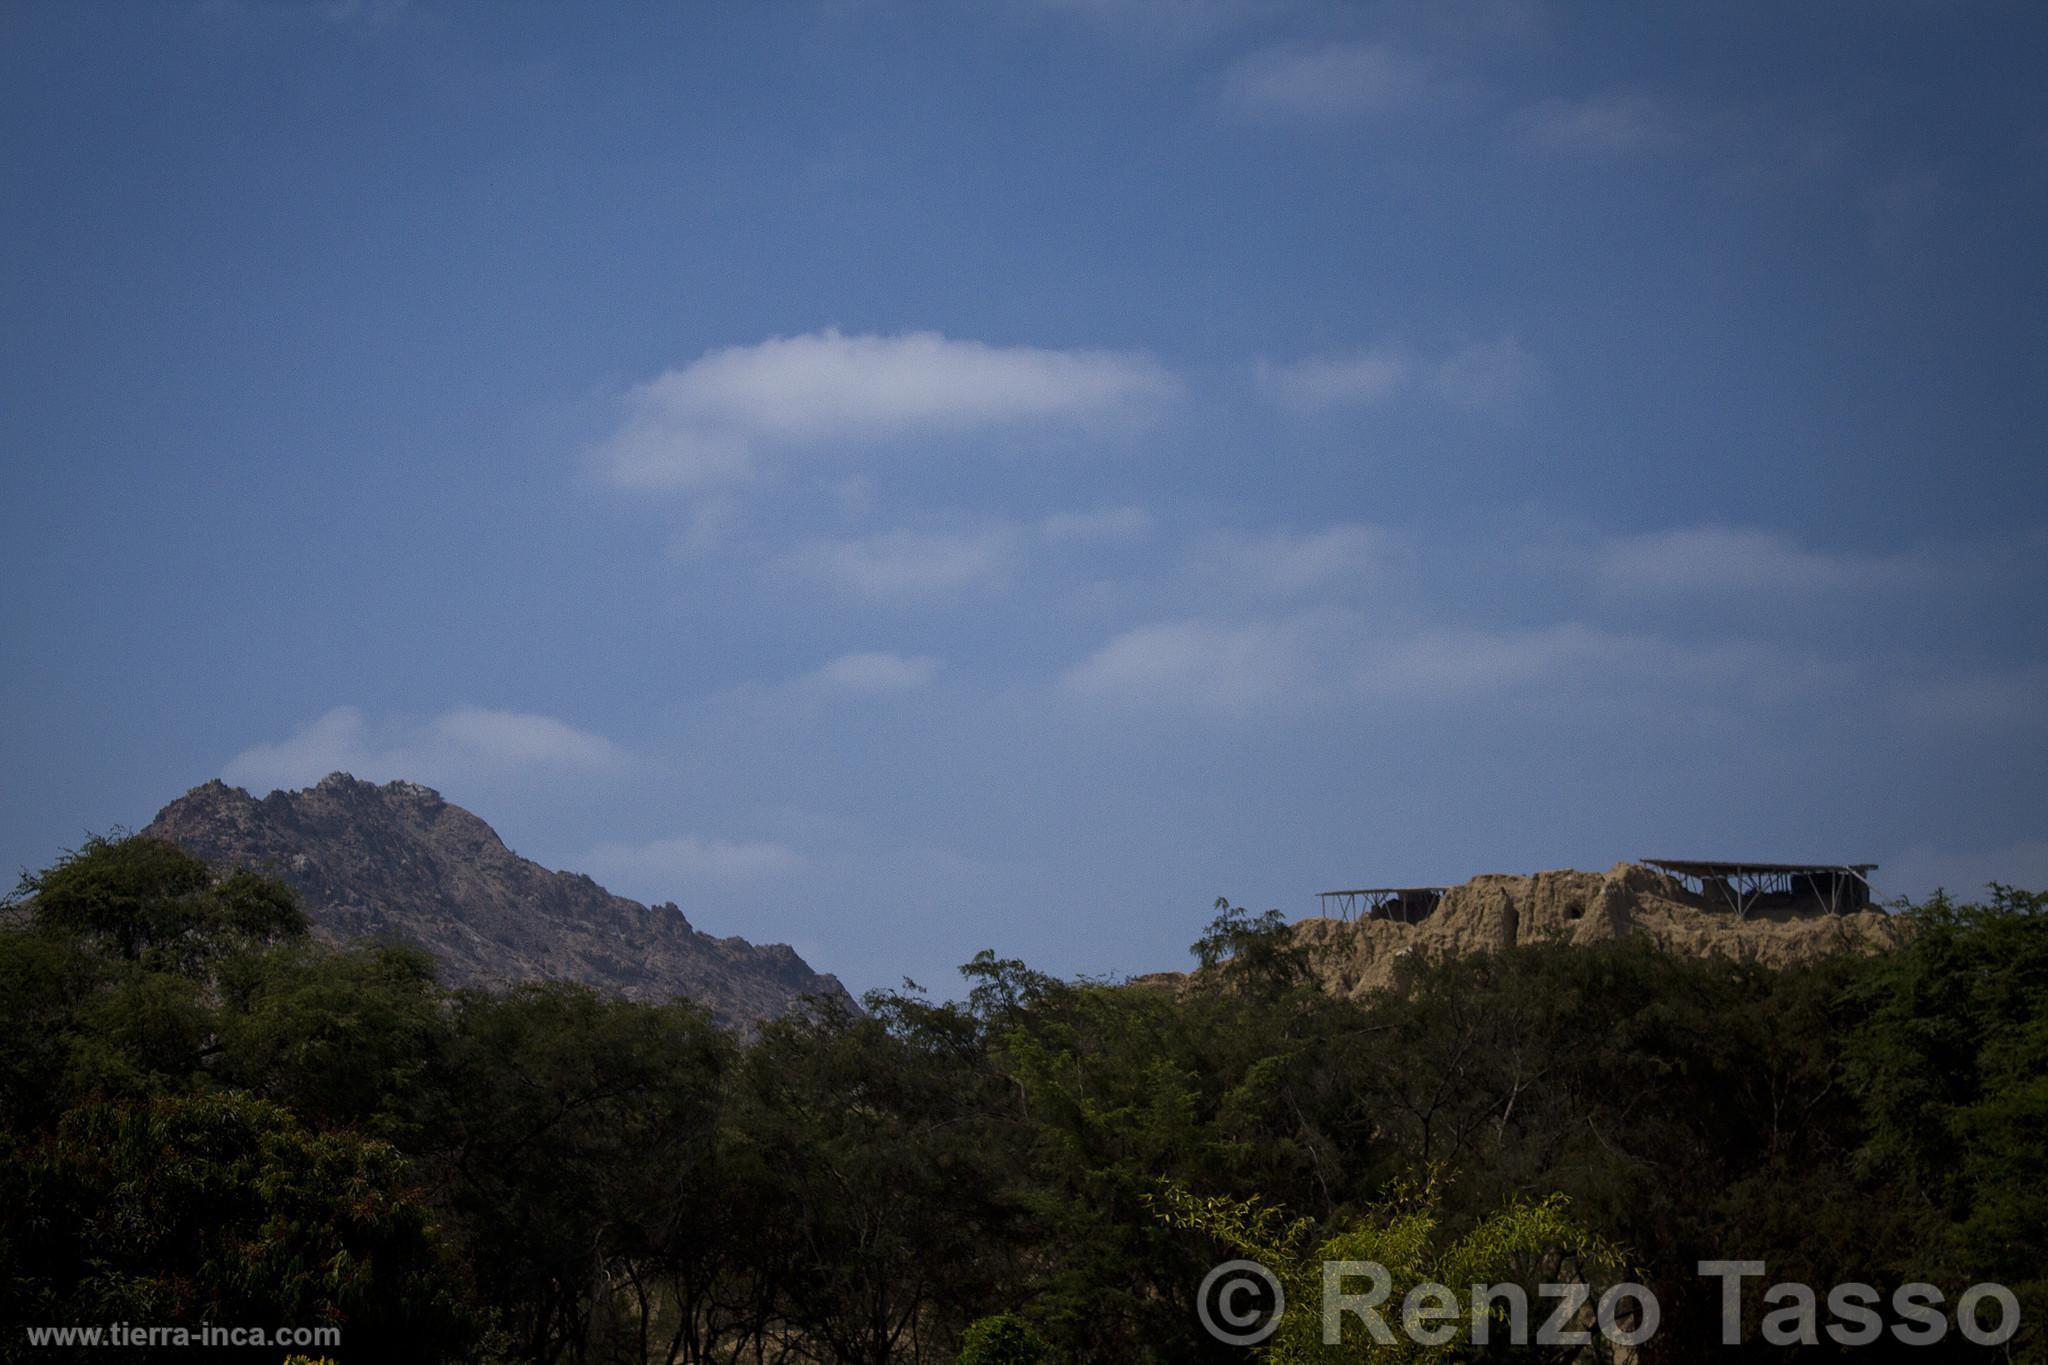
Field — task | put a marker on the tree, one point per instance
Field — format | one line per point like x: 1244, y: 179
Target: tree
x: 1255, y: 953
x: 111, y: 981
x: 1950, y: 1064
x: 151, y: 901
x: 339, y: 1035
x: 1517, y: 1243
x: 1003, y: 1339
x: 878, y: 1148
x: 574, y: 1137
x: 224, y: 1209
x: 44, y: 977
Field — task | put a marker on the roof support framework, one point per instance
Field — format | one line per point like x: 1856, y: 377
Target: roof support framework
x: 1404, y: 904
x: 1837, y: 887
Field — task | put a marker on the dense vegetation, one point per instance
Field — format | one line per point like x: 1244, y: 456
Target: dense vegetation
x: 207, y: 1116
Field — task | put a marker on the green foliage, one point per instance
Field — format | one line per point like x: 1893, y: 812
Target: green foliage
x: 572, y: 1136
x: 1520, y: 1242
x: 1255, y: 953
x: 152, y: 901
x: 343, y: 1036
x: 202, y: 1111
x: 1003, y: 991
x: 44, y: 977
x: 876, y: 1153
x: 138, y: 1033
x: 1950, y: 1062
x: 1003, y: 1339
x: 223, y: 1209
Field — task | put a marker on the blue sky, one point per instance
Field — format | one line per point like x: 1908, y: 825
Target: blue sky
x: 908, y: 478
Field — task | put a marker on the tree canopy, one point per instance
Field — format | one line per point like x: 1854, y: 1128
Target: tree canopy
x: 208, y: 1115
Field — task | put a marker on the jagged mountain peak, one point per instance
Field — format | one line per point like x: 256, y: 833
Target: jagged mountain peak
x: 398, y: 860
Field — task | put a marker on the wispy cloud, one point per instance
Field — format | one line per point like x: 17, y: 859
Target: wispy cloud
x: 1328, y: 655
x: 874, y: 672
x: 459, y: 747
x: 1463, y: 662
x: 1484, y: 374
x: 1327, y: 80
x: 1353, y: 378
x: 907, y: 565
x: 1291, y: 563
x: 929, y: 563
x: 708, y: 524
x: 1607, y: 124
x: 710, y: 423
x: 1739, y: 559
x: 1206, y: 665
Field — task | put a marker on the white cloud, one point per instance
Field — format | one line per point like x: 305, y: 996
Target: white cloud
x: 1574, y: 658
x: 456, y: 748
x: 652, y: 869
x: 906, y: 565
x: 1205, y: 665
x: 1109, y: 523
x: 876, y: 672
x: 1736, y: 559
x: 653, y: 449
x: 1333, y: 655
x: 710, y: 423
x: 1612, y: 123
x: 920, y: 565
x: 1454, y: 662
x: 1327, y: 80
x: 1486, y: 374
x: 514, y: 739
x: 1288, y: 563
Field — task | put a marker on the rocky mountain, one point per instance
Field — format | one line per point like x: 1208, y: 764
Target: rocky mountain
x: 397, y: 861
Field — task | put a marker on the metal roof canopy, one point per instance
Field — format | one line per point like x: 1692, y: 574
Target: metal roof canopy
x: 1372, y: 900
x: 1743, y: 884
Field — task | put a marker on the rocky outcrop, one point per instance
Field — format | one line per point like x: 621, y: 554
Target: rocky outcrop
x: 397, y: 861
x: 1499, y: 911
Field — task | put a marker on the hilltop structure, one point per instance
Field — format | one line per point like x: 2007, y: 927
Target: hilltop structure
x: 1772, y: 914
x: 1831, y: 888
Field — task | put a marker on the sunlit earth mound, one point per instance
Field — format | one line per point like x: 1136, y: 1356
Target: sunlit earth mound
x: 1499, y: 911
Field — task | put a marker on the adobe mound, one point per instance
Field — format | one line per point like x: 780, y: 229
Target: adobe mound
x: 1499, y: 910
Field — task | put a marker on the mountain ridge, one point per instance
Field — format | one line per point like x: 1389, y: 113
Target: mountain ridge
x: 400, y: 861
